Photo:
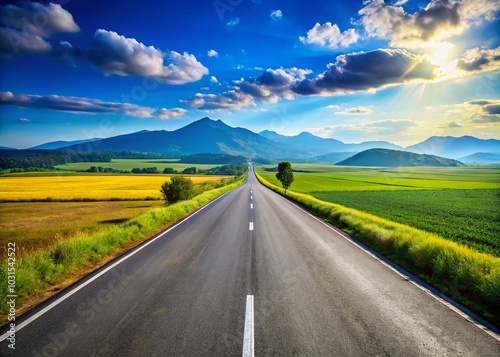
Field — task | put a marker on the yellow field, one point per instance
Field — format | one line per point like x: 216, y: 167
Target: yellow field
x: 87, y: 187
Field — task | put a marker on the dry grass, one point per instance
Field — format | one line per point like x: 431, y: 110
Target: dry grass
x: 38, y: 225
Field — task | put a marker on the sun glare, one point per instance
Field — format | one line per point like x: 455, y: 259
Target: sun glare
x: 439, y: 55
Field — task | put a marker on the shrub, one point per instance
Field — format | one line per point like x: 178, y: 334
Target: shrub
x: 177, y: 189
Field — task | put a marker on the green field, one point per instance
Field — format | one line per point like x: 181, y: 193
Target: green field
x: 461, y: 204
x: 129, y: 164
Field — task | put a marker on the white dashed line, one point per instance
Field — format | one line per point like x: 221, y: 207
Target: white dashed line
x: 251, y: 226
x: 248, y: 336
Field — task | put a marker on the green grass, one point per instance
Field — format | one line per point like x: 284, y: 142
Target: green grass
x: 471, y: 217
x: 461, y: 204
x: 466, y: 275
x: 37, y: 272
x: 343, y: 178
x: 129, y: 164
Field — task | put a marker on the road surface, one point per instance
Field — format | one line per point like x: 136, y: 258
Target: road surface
x: 250, y: 274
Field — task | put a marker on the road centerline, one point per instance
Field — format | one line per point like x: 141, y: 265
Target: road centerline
x: 248, y: 334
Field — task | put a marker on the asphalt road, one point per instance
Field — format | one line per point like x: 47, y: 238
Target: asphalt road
x: 190, y: 291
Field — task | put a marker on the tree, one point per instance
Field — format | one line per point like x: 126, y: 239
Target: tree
x: 177, y: 189
x: 285, y: 174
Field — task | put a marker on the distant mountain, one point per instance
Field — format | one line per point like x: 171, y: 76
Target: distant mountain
x: 482, y: 158
x: 6, y: 148
x: 453, y: 147
x: 202, y: 136
x: 392, y: 158
x: 314, y: 145
x: 272, y: 135
x: 331, y: 158
x: 54, y: 145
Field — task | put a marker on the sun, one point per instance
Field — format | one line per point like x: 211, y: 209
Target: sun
x: 439, y: 55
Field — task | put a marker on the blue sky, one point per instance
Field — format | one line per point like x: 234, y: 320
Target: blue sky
x: 399, y: 71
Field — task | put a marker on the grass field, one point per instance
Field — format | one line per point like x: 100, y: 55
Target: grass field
x: 129, y: 164
x: 461, y: 204
x: 38, y: 225
x: 83, y: 187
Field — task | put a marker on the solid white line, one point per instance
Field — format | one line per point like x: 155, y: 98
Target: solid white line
x: 248, y: 336
x: 251, y: 226
x: 128, y: 255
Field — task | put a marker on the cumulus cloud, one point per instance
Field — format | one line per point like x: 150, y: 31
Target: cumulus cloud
x: 116, y: 54
x: 213, y: 79
x: 228, y: 100
x: 13, y: 42
x: 485, y: 110
x: 25, y: 28
x: 330, y: 35
x: 270, y: 86
x: 276, y: 15
x: 480, y: 60
x: 38, y: 19
x: 356, y: 111
x: 85, y: 106
x: 438, y: 21
x: 453, y: 125
x: 212, y: 53
x: 365, y: 71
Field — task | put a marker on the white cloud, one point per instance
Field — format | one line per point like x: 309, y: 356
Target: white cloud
x: 331, y: 106
x: 373, y: 128
x: 38, y: 19
x: 213, y: 79
x: 85, y: 106
x: 356, y: 111
x: 438, y: 21
x: 212, y: 53
x: 453, y: 125
x: 24, y: 120
x: 13, y: 42
x: 233, y: 22
x: 276, y: 15
x: 480, y: 60
x: 330, y: 35
x: 116, y: 54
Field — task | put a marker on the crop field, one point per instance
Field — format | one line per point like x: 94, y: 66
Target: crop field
x: 129, y: 164
x: 461, y: 204
x: 85, y: 187
x: 37, y: 225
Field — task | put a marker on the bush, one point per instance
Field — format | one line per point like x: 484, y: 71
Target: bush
x: 177, y: 189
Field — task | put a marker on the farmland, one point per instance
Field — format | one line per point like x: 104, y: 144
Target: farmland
x: 39, y: 209
x: 85, y: 187
x: 461, y: 204
x: 129, y: 164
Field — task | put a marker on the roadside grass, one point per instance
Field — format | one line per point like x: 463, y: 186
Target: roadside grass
x: 87, y: 187
x: 466, y: 275
x: 461, y: 204
x: 39, y: 225
x: 61, y: 263
x: 470, y: 217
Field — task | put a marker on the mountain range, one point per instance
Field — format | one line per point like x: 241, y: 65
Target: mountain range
x: 214, y: 136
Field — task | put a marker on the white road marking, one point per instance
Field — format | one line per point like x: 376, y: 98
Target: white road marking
x: 248, y: 337
x: 128, y: 255
x: 251, y: 197
x: 251, y: 226
x: 251, y: 205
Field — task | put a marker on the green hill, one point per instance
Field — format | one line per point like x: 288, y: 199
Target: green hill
x: 392, y: 158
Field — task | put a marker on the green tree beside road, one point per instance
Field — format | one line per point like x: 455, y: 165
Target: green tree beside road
x: 285, y: 174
